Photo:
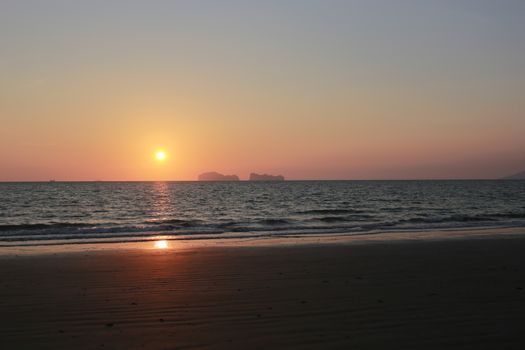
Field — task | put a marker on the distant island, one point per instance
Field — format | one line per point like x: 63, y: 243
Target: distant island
x: 265, y: 177
x: 518, y: 176
x: 214, y: 176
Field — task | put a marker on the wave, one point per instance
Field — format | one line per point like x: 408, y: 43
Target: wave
x: 329, y: 211
x: 177, y: 222
x: 41, y: 226
x: 331, y: 220
x: 512, y: 215
x: 372, y: 229
x: 274, y: 222
x: 489, y: 217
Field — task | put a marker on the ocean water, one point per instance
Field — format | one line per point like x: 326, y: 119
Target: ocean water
x: 63, y: 213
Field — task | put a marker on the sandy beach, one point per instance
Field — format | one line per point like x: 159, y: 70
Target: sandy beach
x: 463, y: 293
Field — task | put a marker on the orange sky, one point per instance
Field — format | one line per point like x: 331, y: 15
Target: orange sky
x: 307, y: 90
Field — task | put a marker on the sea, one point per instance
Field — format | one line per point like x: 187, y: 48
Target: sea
x: 60, y: 213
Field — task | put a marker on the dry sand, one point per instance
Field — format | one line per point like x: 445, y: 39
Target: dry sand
x: 420, y: 295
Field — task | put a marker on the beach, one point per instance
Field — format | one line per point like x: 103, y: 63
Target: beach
x: 410, y: 294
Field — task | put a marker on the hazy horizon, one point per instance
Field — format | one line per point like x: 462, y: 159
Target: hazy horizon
x: 313, y: 89
x: 246, y: 179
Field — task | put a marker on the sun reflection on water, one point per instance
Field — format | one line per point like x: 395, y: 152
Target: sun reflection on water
x: 162, y: 244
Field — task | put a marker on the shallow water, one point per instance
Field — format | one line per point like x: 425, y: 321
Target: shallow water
x: 58, y: 213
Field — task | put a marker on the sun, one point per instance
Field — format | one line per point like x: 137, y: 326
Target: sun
x: 160, y: 155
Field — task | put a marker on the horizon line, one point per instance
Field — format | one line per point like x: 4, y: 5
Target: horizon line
x: 247, y: 180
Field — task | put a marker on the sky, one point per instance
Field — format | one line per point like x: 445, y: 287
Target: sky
x: 324, y: 89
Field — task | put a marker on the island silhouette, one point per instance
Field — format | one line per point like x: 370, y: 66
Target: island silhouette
x: 517, y: 176
x: 215, y: 176
x: 265, y: 177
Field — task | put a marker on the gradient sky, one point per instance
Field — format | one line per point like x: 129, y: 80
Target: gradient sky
x: 309, y: 89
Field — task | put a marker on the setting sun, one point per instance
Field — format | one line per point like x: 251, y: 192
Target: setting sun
x: 160, y: 155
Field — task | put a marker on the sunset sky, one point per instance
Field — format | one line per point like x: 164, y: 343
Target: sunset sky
x: 380, y: 89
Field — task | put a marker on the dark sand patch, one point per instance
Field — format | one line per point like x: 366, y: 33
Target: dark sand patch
x: 443, y: 294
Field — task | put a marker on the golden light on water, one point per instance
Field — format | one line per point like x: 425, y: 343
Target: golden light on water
x: 162, y: 244
x: 160, y: 155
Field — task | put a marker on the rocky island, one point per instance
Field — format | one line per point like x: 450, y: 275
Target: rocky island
x: 214, y: 176
x: 518, y: 176
x: 265, y: 177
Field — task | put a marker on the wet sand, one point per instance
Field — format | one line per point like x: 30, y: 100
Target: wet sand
x: 410, y: 295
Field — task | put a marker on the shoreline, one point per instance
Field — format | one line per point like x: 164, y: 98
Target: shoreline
x: 405, y: 293
x: 178, y: 244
